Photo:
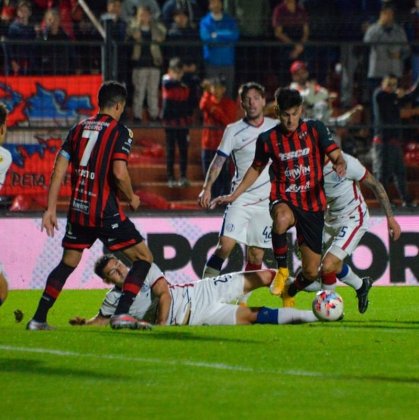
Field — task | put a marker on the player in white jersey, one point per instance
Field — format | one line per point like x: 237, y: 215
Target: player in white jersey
x: 346, y: 221
x: 203, y: 302
x: 5, y: 162
x: 247, y: 220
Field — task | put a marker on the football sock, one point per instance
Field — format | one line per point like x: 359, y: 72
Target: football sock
x: 1, y: 302
x: 284, y: 316
x: 252, y: 267
x: 132, y: 285
x: 55, y: 283
x: 313, y: 287
x: 348, y: 277
x: 300, y: 283
x: 280, y: 248
x: 213, y: 266
x: 328, y: 281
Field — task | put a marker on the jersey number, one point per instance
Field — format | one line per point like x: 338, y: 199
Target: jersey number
x: 91, y: 137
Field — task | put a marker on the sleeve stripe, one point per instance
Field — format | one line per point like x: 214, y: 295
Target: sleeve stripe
x: 331, y: 148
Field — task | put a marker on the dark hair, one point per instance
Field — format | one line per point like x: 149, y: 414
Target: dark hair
x: 287, y: 98
x: 100, y: 264
x: 245, y: 87
x: 3, y: 114
x: 219, y: 80
x: 110, y: 93
x: 175, y: 64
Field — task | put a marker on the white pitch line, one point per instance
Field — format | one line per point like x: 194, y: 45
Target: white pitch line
x: 188, y: 363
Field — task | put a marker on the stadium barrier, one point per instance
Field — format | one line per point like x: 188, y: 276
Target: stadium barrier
x: 182, y: 244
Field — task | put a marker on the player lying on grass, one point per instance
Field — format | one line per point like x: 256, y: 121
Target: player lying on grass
x: 204, y: 302
x: 346, y: 221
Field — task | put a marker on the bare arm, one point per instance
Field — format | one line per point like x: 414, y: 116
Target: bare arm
x: 249, y: 178
x: 339, y: 163
x: 214, y: 170
x: 49, y: 218
x: 123, y: 183
x: 279, y: 33
x: 161, y: 290
x: 380, y: 193
x: 96, y: 321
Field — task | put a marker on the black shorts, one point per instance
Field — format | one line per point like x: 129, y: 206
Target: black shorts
x: 309, y: 226
x: 115, y: 236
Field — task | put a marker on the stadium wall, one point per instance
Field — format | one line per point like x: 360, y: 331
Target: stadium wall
x: 181, y: 244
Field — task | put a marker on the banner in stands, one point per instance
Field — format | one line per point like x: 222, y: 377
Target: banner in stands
x: 47, y: 101
x: 181, y: 246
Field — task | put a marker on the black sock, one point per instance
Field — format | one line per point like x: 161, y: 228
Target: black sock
x: 55, y: 283
x: 132, y: 285
x: 215, y: 262
x: 280, y: 248
x: 300, y: 283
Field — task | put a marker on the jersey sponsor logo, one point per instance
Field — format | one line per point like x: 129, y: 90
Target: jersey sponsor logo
x: 81, y: 206
x: 84, y: 173
x: 294, y: 188
x: 295, y: 173
x: 294, y: 154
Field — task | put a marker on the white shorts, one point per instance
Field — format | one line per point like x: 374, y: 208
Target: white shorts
x: 210, y: 303
x: 342, y: 235
x: 250, y: 225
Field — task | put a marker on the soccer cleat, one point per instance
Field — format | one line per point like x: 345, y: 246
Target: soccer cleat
x: 38, y: 326
x: 362, y: 294
x: 127, y: 321
x: 278, y: 283
x: 287, y: 300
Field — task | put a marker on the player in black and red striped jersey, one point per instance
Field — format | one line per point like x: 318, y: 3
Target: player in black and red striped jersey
x: 297, y: 149
x: 97, y: 149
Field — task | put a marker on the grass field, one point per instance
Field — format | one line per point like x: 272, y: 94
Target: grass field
x: 365, y: 367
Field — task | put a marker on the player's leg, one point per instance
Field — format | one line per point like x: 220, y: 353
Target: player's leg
x: 274, y: 316
x: 55, y: 283
x: 283, y: 218
x: 4, y: 288
x: 214, y: 264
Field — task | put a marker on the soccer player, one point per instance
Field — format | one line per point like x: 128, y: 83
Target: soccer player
x: 204, y: 302
x: 247, y: 220
x: 5, y: 162
x: 297, y: 148
x: 346, y: 222
x: 98, y: 149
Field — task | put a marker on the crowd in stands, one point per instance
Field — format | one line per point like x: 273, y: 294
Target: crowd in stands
x: 336, y: 52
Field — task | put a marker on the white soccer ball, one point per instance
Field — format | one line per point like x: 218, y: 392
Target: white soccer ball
x: 328, y: 305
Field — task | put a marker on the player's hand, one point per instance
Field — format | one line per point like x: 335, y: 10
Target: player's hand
x: 49, y: 222
x: 394, y: 228
x: 204, y: 198
x: 135, y: 202
x: 221, y: 200
x: 77, y: 321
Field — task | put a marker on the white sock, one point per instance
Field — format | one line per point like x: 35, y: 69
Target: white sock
x: 351, y: 279
x: 210, y: 272
x: 295, y: 316
x: 313, y: 287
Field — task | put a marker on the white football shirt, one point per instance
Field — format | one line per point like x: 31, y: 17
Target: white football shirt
x: 5, y: 162
x: 239, y: 142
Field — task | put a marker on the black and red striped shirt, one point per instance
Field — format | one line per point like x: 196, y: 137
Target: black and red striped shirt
x: 297, y: 163
x: 91, y: 146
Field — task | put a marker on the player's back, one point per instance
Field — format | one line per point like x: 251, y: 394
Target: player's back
x: 92, y: 146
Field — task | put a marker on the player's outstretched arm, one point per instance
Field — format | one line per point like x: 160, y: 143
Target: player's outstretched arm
x: 49, y: 218
x: 98, y: 321
x: 249, y: 178
x: 161, y: 290
x: 204, y: 198
x: 380, y: 193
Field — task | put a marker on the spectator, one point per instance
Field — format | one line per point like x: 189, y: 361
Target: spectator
x: 130, y: 7
x: 191, y: 7
x: 22, y: 57
x: 388, y: 47
x: 182, y: 36
x: 290, y: 23
x: 218, y: 111
x: 175, y: 116
x: 253, y: 21
x: 387, y: 145
x: 413, y: 33
x: 146, y: 59
x: 55, y: 58
x: 7, y: 14
x: 219, y: 32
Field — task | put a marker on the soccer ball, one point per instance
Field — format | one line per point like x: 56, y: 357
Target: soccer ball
x: 328, y: 305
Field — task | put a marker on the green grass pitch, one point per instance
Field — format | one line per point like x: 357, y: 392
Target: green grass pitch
x: 365, y: 367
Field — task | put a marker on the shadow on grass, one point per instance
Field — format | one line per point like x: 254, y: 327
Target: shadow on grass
x: 37, y: 367
x: 371, y: 324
